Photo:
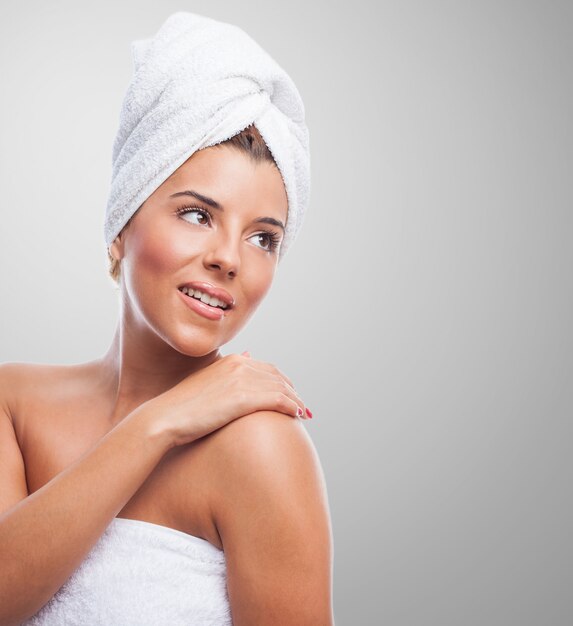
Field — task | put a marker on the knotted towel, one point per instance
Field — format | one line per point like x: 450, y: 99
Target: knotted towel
x: 196, y: 83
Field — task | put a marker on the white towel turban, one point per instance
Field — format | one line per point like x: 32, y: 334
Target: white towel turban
x: 196, y: 83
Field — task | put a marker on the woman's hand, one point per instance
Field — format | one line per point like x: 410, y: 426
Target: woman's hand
x: 229, y: 388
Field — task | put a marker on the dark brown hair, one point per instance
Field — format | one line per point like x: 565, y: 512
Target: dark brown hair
x: 250, y: 141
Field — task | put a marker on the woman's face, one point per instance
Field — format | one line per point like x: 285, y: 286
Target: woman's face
x: 177, y: 239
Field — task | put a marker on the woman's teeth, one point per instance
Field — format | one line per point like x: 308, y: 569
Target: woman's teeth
x: 205, y: 298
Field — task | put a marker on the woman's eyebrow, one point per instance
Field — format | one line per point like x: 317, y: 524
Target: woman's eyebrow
x: 269, y: 220
x: 214, y: 204
x: 201, y: 197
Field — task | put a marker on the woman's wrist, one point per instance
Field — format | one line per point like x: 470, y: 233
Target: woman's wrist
x: 158, y: 431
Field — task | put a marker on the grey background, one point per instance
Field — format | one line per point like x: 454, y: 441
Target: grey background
x: 424, y: 312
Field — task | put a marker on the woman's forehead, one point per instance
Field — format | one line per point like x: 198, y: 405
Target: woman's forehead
x: 229, y: 177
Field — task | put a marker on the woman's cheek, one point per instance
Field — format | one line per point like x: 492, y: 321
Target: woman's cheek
x: 162, y: 253
x: 259, y: 283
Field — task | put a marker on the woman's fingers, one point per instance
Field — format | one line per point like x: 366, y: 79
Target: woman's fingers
x: 288, y: 399
x: 285, y: 386
x: 283, y: 403
x: 293, y: 395
x: 269, y: 367
x: 289, y: 381
x: 229, y: 388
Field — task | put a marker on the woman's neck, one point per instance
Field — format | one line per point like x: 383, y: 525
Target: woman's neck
x: 139, y: 366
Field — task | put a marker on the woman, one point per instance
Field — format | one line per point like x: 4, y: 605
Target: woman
x: 165, y: 483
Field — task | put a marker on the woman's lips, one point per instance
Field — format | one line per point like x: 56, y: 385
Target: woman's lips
x: 206, y: 310
x: 211, y: 290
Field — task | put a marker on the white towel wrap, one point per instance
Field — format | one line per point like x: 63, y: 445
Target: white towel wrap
x: 143, y: 574
x: 196, y: 83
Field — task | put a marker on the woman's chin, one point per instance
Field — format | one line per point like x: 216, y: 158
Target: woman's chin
x: 196, y: 344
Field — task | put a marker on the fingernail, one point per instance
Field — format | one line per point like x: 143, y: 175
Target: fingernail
x: 299, y: 412
x: 309, y: 413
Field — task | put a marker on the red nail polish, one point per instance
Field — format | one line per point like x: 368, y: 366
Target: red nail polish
x: 309, y: 413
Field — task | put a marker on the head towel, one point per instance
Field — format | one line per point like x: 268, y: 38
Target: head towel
x: 196, y: 83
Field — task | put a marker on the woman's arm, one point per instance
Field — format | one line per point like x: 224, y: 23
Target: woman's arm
x: 270, y: 507
x: 45, y: 536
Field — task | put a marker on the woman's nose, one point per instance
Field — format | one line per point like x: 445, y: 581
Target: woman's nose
x: 223, y: 254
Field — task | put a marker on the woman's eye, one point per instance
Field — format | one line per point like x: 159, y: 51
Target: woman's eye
x: 200, y: 217
x: 268, y: 241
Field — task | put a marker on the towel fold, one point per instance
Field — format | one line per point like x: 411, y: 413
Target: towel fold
x: 196, y: 83
x: 143, y: 574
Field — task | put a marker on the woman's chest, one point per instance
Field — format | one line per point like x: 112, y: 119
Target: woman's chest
x: 57, y: 430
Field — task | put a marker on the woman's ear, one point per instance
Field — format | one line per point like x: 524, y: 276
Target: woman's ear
x: 116, y: 247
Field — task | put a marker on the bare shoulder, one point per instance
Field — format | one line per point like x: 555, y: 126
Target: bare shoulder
x: 22, y: 383
x: 270, y: 507
x: 18, y: 382
x: 18, y: 377
x: 13, y: 372
x: 265, y: 448
x: 18, y: 373
x: 262, y: 435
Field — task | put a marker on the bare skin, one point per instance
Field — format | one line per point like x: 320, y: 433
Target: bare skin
x: 222, y: 464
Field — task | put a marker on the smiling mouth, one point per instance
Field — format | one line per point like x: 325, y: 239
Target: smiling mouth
x: 204, y: 298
